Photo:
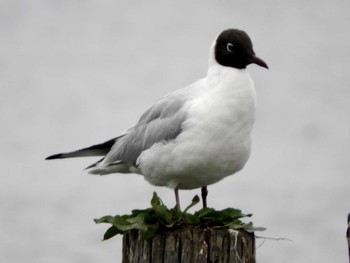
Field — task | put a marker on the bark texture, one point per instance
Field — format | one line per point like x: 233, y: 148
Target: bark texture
x: 190, y: 245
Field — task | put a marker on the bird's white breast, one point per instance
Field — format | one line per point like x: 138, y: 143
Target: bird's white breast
x: 215, y: 139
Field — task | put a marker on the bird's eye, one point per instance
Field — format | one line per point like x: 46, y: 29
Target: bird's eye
x: 229, y: 47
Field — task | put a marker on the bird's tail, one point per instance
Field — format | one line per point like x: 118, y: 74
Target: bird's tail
x: 94, y: 150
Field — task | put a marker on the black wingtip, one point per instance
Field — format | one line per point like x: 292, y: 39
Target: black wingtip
x: 55, y: 156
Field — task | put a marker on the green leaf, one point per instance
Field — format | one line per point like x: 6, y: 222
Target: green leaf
x: 111, y: 232
x: 150, y: 232
x: 158, y: 217
x: 155, y: 201
x: 203, y: 212
x: 232, y: 213
x: 192, y: 219
x: 104, y: 219
x: 195, y: 201
x: 122, y: 223
x: 137, y: 222
x: 163, y: 213
x: 119, y: 220
x: 136, y: 212
x: 150, y: 218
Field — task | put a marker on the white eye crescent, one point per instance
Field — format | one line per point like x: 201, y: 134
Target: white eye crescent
x: 229, y: 47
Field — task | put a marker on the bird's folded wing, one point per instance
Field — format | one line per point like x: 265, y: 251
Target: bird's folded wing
x: 162, y: 122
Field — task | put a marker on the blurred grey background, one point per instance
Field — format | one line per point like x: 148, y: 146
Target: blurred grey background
x: 75, y: 73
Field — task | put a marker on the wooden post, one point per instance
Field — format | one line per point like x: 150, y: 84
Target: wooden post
x: 348, y: 235
x: 187, y: 245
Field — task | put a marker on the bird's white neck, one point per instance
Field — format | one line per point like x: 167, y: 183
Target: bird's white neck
x: 217, y: 73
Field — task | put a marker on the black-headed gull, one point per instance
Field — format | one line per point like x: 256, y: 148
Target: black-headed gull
x: 195, y: 136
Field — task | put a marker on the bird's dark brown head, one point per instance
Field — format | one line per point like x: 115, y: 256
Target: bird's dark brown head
x: 234, y: 48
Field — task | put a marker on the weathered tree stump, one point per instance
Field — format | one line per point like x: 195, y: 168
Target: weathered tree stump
x: 190, y: 245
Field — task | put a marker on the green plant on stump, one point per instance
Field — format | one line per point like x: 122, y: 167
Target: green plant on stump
x: 158, y: 218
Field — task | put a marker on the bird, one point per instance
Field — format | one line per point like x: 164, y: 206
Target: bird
x: 195, y: 136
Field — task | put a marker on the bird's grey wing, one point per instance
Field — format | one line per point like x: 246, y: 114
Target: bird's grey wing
x: 162, y: 122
